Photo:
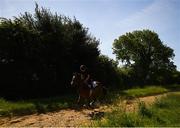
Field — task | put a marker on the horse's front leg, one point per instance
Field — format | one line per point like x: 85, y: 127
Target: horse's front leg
x: 79, y: 99
x: 92, y: 102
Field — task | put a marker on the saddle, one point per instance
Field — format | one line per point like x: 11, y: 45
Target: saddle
x: 93, y: 84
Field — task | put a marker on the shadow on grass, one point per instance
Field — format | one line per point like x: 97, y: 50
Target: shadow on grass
x: 43, y: 105
x: 96, y: 115
x: 173, y: 88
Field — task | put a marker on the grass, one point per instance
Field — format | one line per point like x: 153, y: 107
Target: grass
x: 174, y: 87
x: 117, y: 95
x: 149, y: 90
x: 11, y: 108
x: 164, y: 112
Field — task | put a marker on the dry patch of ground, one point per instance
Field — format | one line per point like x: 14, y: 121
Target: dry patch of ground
x: 67, y: 117
x: 72, y: 117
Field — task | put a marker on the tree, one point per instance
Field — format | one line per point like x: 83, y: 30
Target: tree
x: 146, y: 53
x: 105, y: 70
x: 40, y: 51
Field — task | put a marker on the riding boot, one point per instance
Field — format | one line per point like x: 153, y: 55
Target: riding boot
x: 90, y: 92
x: 91, y: 89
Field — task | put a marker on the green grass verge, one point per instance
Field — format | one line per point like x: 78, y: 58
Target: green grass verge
x: 10, y: 108
x: 149, y: 90
x: 164, y: 112
x: 117, y: 95
x: 56, y: 103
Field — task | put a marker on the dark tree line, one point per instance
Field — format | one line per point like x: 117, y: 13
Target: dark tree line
x: 40, y: 51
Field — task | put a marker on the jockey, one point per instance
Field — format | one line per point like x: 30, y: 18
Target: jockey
x: 85, y: 76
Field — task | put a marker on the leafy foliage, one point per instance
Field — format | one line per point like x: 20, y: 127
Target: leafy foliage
x: 143, y: 51
x: 106, y: 71
x: 39, y: 52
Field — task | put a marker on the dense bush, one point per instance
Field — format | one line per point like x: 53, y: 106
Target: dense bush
x: 106, y: 71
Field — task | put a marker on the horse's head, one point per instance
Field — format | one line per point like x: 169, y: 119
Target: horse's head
x: 76, y: 79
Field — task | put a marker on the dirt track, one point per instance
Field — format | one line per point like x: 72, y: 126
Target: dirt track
x: 71, y: 117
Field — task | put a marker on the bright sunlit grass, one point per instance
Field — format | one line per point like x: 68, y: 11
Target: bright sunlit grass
x: 150, y: 90
x: 164, y: 112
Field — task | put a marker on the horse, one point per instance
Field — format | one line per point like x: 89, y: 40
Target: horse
x: 85, y: 92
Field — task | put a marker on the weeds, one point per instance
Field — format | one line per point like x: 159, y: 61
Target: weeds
x: 144, y: 111
x: 164, y: 112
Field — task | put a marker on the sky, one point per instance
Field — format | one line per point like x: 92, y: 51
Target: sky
x: 109, y: 19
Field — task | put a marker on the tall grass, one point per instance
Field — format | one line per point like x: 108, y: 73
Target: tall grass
x: 164, y: 112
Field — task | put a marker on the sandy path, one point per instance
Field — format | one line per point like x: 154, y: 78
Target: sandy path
x: 71, y: 117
